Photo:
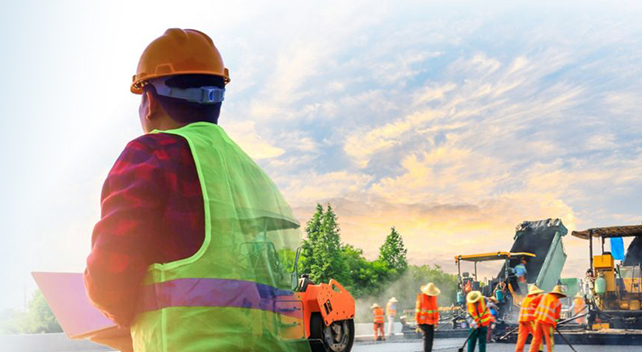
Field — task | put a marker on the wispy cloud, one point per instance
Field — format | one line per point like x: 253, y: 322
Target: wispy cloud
x: 452, y: 122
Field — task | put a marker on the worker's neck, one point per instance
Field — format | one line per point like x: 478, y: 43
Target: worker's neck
x: 164, y: 123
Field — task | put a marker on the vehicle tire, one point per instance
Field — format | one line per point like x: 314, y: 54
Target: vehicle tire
x: 339, y: 336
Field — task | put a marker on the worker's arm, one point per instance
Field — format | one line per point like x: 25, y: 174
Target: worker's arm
x: 558, y: 311
x: 437, y: 317
x: 132, y: 201
x: 417, y: 308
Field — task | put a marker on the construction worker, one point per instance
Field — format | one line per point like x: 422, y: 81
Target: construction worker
x: 500, y: 291
x: 547, y: 314
x: 378, y: 320
x: 491, y: 304
x: 479, y: 319
x: 579, y: 306
x: 520, y: 270
x: 427, y: 314
x: 527, y: 316
x: 391, y: 312
x: 167, y: 260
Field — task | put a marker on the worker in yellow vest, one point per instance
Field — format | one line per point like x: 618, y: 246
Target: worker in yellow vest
x: 391, y: 312
x: 427, y: 314
x: 527, y: 316
x: 479, y: 319
x: 378, y: 319
x: 171, y: 258
x: 579, y: 307
x: 547, y: 314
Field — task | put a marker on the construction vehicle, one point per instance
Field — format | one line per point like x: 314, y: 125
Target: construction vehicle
x: 544, y: 239
x: 467, y: 283
x: 615, y: 290
x: 328, y: 314
x: 538, y: 241
x: 321, y: 315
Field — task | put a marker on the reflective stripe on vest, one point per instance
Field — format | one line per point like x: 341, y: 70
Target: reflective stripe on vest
x: 426, y: 310
x: 378, y: 315
x: 548, y: 310
x: 475, y: 309
x: 232, y: 294
x: 216, y: 293
x: 527, y: 310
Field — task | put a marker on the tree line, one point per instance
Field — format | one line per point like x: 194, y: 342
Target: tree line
x: 37, y: 319
x: 325, y: 257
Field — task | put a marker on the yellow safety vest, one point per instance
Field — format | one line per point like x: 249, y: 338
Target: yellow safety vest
x: 233, y: 294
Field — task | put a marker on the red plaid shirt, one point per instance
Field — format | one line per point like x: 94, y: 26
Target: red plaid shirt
x: 152, y: 212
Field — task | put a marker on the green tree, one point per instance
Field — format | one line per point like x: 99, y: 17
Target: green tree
x: 393, y: 252
x: 328, y: 262
x: 37, y: 319
x: 313, y: 231
x: 361, y: 276
x: 40, y: 318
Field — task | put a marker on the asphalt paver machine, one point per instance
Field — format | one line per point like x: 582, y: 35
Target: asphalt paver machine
x: 540, y: 242
x: 509, y: 290
x: 615, y: 289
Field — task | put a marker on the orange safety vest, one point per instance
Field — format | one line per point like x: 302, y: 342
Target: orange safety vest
x: 480, y: 313
x: 549, y: 309
x: 579, y: 305
x: 427, y: 310
x: 378, y: 315
x: 390, y: 309
x: 529, y: 304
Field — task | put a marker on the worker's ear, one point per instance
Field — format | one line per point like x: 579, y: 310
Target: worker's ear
x: 151, y: 106
x: 148, y: 112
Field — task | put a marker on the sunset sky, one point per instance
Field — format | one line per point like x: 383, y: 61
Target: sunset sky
x: 453, y: 121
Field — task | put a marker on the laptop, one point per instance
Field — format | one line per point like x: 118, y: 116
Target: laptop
x: 79, y: 319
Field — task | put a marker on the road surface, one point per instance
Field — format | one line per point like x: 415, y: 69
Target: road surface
x: 451, y: 345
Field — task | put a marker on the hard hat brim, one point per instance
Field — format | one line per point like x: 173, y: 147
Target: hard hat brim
x: 474, y: 297
x: 430, y: 290
x: 136, y: 86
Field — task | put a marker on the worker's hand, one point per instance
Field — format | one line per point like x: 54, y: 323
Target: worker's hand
x: 418, y: 330
x: 121, y: 342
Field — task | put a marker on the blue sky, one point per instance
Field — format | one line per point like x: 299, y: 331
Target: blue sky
x: 453, y: 121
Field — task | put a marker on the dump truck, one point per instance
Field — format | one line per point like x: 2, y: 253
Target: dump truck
x: 543, y: 238
x: 538, y: 241
x: 297, y: 312
x: 614, y: 289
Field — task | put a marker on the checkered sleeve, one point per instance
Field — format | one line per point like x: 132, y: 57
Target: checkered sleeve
x: 133, y: 199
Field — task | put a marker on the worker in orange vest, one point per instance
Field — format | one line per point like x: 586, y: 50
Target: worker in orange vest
x: 427, y: 314
x: 578, y: 307
x: 391, y: 312
x: 547, y: 314
x: 527, y: 316
x: 378, y: 319
x: 479, y: 319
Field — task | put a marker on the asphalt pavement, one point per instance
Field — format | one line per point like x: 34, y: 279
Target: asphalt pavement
x: 451, y: 345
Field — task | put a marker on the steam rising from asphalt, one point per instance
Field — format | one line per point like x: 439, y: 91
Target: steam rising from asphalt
x: 405, y: 289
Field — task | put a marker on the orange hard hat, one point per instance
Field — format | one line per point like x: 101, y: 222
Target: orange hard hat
x: 179, y: 52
